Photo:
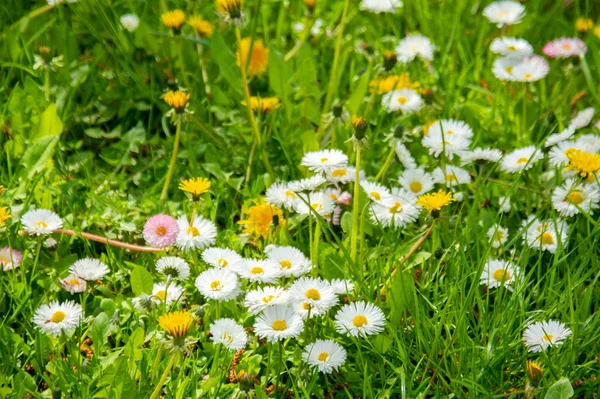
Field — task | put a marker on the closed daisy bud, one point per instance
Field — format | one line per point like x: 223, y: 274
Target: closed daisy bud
x: 173, y: 20
x: 535, y: 372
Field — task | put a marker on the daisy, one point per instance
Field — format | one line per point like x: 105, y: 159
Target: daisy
x: 339, y: 197
x: 279, y: 194
x: 130, y: 22
x: 546, y: 235
x: 498, y: 235
x: 10, y: 258
x: 589, y: 142
x: 584, y: 163
x: 343, y: 175
x: 450, y: 128
x: 582, y: 119
x: 405, y: 100
x: 55, y: 318
x: 320, y: 202
x: 497, y: 273
x: 451, y: 176
x: 531, y: 69
x: 359, y: 319
x: 504, y: 66
x: 174, y: 267
x: 448, y: 144
x: 565, y: 47
x: 556, y: 138
x: 200, y: 234
x: 89, y: 269
x: 324, y: 355
x: 41, y: 221
x: 308, y: 184
x: 504, y: 203
x: 573, y: 197
x: 322, y: 161
x: 416, y: 181
x: 228, y: 333
x: 263, y: 271
x: 396, y: 211
x: 480, y: 154
x: 161, y: 231
x: 341, y: 287
x: 218, y: 284
x: 73, y: 284
x: 291, y: 261
x: 167, y: 293
x: 504, y: 13
x: 511, y: 47
x: 405, y: 157
x: 375, y: 191
x: 413, y: 46
x: 278, y: 323
x: 222, y: 258
x: 541, y: 335
x: 521, y: 159
x: 378, y: 6
x: 262, y: 298
x: 316, y: 295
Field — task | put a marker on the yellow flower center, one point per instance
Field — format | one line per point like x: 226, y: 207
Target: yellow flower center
x: 575, y: 197
x: 306, y: 306
x: 449, y: 133
x: 450, y: 178
x: 193, y: 231
x: 285, y: 264
x: 547, y: 337
x: 402, y: 100
x: 313, y: 294
x: 508, y: 69
x: 547, y: 239
x: 216, y: 285
x: 323, y: 160
x: 257, y: 270
x: 339, y: 173
x: 222, y: 262
x: 498, y: 236
x: 359, y: 321
x: 583, y: 162
x: 73, y: 282
x: 161, y: 230
x: 279, y: 325
x: 323, y: 356
x: 416, y: 186
x: 41, y: 225
x: 376, y: 195
x: 58, y: 316
x: 162, y: 294
x: 502, y: 275
x: 566, y: 46
x: 512, y: 48
x: 317, y: 206
x: 333, y: 197
x: 522, y: 160
x: 267, y: 299
x: 227, y: 338
x: 527, y: 76
x: 396, y: 208
x: 289, y: 193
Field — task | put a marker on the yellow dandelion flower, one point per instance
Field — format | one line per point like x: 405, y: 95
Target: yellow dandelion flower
x: 597, y: 31
x: 233, y: 8
x: 259, y: 58
x: 436, y: 201
x: 535, y: 371
x: 4, y: 215
x: 263, y: 105
x: 196, y: 187
x: 173, y: 20
x: 202, y: 27
x: 584, y: 24
x: 177, y: 100
x: 177, y: 325
x: 392, y: 82
x: 259, y: 219
x: 582, y: 162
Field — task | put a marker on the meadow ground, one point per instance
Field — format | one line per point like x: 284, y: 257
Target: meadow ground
x: 160, y: 238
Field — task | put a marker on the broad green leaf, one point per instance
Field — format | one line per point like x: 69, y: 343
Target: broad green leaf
x: 38, y: 156
x: 279, y: 79
x: 141, y: 281
x: 358, y: 94
x: 49, y: 124
x: 133, y: 348
x: 100, y: 331
x: 561, y: 389
x: 227, y: 63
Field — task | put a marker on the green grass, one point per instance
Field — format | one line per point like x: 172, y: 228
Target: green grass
x: 98, y: 151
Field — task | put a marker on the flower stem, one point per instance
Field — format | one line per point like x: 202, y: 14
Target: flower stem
x: 200, y: 50
x: 47, y: 84
x: 588, y: 77
x: 316, y: 239
x: 386, y: 165
x: 523, y: 130
x: 165, y: 190
x: 163, y: 378
x: 292, y: 53
x: 355, y: 205
x: 35, y: 261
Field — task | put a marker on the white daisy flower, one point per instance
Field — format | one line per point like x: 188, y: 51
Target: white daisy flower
x: 359, y: 319
x: 378, y: 6
x: 89, y: 269
x: 521, y: 159
x: 174, y: 267
x: 450, y: 128
x: 573, y: 197
x: 588, y: 142
x: 557, y: 155
x: 545, y: 235
x: 540, y: 336
x: 278, y: 323
x: 497, y: 273
x: 448, y: 144
x: 218, y: 284
x: 405, y: 100
x: 531, y: 69
x: 343, y: 175
x: 316, y: 294
x: 504, y: 13
x: 511, y: 47
x: 416, y: 181
x: 504, y: 203
x: 41, y: 221
x: 396, y: 211
x: 413, y: 46
x: 200, y: 234
x: 322, y: 161
x: 308, y: 184
x: 56, y: 318
x: 279, y: 194
x: 497, y: 235
x: 262, y: 298
x: 228, y: 333
x: 583, y: 118
x: 73, y: 284
x: 130, y: 22
x: 480, y: 154
x: 168, y: 293
x: 376, y: 192
x: 222, y: 258
x: 291, y: 261
x: 405, y: 157
x: 341, y: 287
x: 451, y: 176
x: 556, y: 138
x: 504, y: 66
x: 260, y: 270
x: 324, y: 355
x: 320, y: 202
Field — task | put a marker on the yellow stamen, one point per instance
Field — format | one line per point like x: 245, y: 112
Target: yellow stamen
x: 359, y: 321
x: 279, y: 325
x: 58, y: 316
x: 313, y: 294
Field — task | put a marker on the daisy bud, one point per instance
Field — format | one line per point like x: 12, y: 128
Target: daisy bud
x: 338, y: 109
x: 246, y: 381
x: 389, y: 60
x: 399, y: 131
x: 439, y: 253
x: 535, y: 372
x: 360, y: 127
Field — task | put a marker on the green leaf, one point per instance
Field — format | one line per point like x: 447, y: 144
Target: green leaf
x: 382, y: 343
x: 100, y: 331
x: 49, y: 125
x: 133, y: 348
x: 279, y: 80
x: 358, y: 95
x: 141, y: 281
x: 38, y: 156
x: 561, y: 389
x: 227, y: 63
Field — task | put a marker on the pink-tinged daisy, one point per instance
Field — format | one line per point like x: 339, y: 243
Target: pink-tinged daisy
x: 73, y: 283
x: 10, y: 258
x: 565, y: 47
x: 161, y: 231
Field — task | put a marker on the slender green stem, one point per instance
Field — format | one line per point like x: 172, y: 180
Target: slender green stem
x: 316, y: 239
x: 386, y: 165
x: 279, y: 366
x: 588, y: 78
x: 181, y: 61
x: 47, y: 84
x: 310, y: 236
x: 35, y: 262
x: 163, y: 378
x: 165, y: 190
x: 355, y: 205
x: 292, y: 53
x: 523, y: 130
x: 200, y: 50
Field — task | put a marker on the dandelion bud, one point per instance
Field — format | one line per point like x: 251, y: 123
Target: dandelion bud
x: 439, y: 253
x: 399, y: 131
x: 246, y: 381
x: 389, y: 60
x: 231, y: 8
x: 310, y: 4
x: 360, y: 127
x: 428, y: 95
x: 535, y: 372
